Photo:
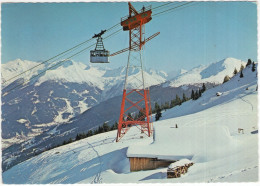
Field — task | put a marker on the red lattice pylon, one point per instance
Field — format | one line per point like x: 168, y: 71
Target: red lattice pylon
x: 136, y: 103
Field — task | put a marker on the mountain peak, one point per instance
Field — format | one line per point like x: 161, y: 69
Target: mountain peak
x: 213, y: 73
x: 182, y: 71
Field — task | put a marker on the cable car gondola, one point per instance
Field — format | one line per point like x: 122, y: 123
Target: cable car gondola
x: 100, y: 54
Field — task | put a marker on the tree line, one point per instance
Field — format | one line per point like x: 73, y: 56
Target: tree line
x: 177, y: 101
x: 101, y: 129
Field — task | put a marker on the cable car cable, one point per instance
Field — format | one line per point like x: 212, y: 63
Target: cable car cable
x: 166, y: 7
x: 171, y: 8
x: 166, y: 4
x: 162, y: 5
x: 180, y: 8
x: 118, y: 24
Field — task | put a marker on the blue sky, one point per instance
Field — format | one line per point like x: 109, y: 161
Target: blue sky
x: 200, y: 34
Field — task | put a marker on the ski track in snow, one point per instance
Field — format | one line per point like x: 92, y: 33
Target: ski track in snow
x: 218, y: 178
x: 247, y: 101
x: 97, y: 178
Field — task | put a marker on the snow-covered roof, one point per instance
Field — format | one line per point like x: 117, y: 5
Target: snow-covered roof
x: 184, y: 142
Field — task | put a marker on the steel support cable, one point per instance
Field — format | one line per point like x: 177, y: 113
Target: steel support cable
x: 73, y: 48
x: 181, y: 8
x: 57, y: 64
x: 161, y: 9
x: 113, y: 27
x: 162, y: 6
x: 172, y: 8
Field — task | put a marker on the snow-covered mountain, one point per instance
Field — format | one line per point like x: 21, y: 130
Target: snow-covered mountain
x: 174, y: 73
x: 10, y: 70
x: 74, y: 72
x: 212, y: 73
x: 66, y: 90
x: 207, y: 134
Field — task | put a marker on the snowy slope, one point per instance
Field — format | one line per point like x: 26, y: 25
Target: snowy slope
x: 213, y: 73
x: 211, y: 121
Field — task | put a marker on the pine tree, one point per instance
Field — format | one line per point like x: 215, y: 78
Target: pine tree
x: 248, y: 62
x: 70, y: 140
x: 235, y: 71
x: 226, y: 78
x: 162, y: 106
x: 100, y: 129
x: 178, y: 100
x: 241, y: 74
x: 77, y: 137
x: 172, y: 103
x: 156, y: 107
x: 106, y: 127
x: 82, y: 135
x: 90, y: 133
x: 192, y: 95
x: 141, y: 115
x: 196, y: 95
x: 199, y: 93
x: 114, y: 127
x: 203, y: 88
x: 253, y: 67
x: 166, y: 105
x: 158, y: 115
x: 129, y: 117
x: 184, y: 98
x: 241, y: 68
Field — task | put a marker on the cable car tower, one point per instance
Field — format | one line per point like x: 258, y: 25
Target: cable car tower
x: 136, y: 96
x: 100, y: 54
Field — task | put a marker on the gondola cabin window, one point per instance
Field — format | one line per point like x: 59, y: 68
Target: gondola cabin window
x: 99, y: 56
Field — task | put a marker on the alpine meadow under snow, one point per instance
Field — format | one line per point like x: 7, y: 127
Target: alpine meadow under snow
x: 207, y: 134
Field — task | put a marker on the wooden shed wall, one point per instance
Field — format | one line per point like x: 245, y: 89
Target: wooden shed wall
x: 137, y: 164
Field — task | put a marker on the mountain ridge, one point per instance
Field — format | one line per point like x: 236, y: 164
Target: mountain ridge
x: 213, y: 72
